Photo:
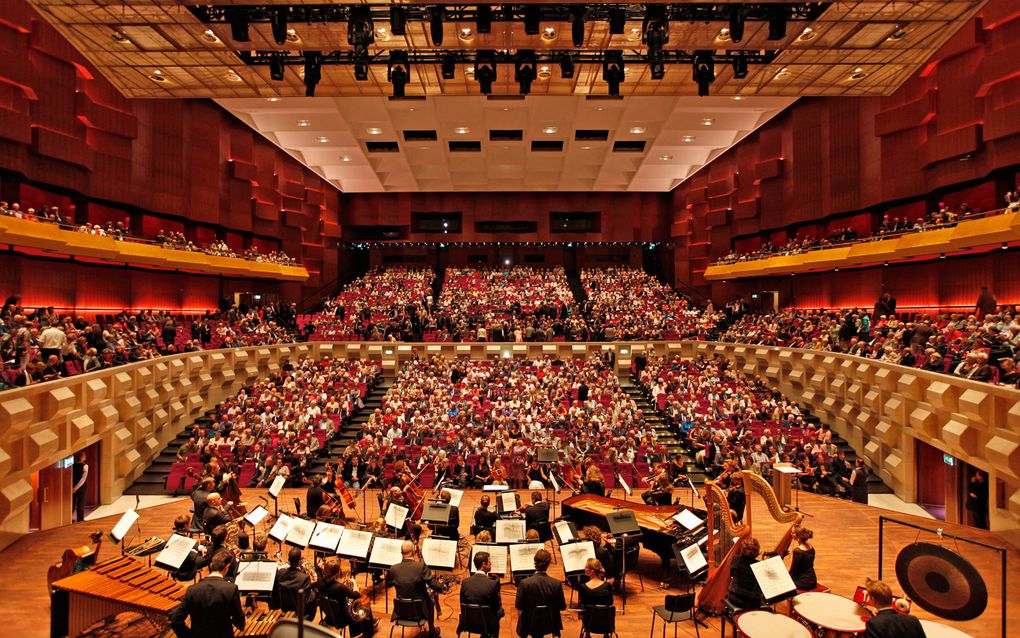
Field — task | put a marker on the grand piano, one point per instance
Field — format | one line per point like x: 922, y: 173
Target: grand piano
x: 658, y: 531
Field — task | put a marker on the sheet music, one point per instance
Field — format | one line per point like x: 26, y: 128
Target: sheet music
x: 439, y: 553
x: 552, y: 479
x: 396, y: 515
x: 623, y: 484
x: 494, y: 488
x: 522, y: 556
x: 510, y: 531
x: 326, y: 536
x: 455, y: 496
x: 280, y: 529
x: 256, y: 575
x: 277, y: 486
x: 693, y: 559
x: 576, y: 555
x: 688, y: 519
x: 386, y: 552
x: 300, y: 532
x: 256, y: 516
x: 565, y: 531
x: 123, y: 526
x: 507, y: 501
x: 497, y: 557
x: 176, y: 551
x: 772, y: 577
x: 354, y: 543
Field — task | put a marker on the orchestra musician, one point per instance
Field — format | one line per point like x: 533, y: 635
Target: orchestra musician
x: 450, y: 530
x: 334, y: 586
x: 603, y: 543
x: 540, y: 590
x: 215, y: 512
x: 536, y: 513
x: 887, y: 622
x: 484, y: 517
x: 213, y: 604
x: 594, y: 482
x: 200, y: 495
x: 291, y: 581
x: 660, y: 490
x: 483, y: 590
x: 744, y: 592
x: 413, y: 579
x: 314, y: 497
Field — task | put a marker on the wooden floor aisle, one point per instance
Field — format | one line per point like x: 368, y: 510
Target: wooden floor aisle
x: 846, y: 541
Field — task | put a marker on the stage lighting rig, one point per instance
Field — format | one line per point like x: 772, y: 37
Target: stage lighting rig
x: 278, y: 24
x: 398, y: 19
x: 485, y: 71
x: 313, y: 71
x: 704, y: 71
x: 740, y: 66
x: 360, y: 67
x: 448, y: 67
x: 276, y: 67
x: 483, y: 18
x: 613, y: 70
x: 360, y: 30
x: 577, y: 15
x: 398, y: 72
x: 239, y: 20
x: 524, y: 70
x: 436, y: 14
x: 617, y: 20
x: 655, y: 29
x: 532, y: 19
x: 777, y: 15
x: 737, y: 15
x: 566, y: 66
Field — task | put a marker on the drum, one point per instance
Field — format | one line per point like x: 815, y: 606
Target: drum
x: 933, y: 629
x: 536, y: 485
x: 764, y: 624
x: 830, y: 616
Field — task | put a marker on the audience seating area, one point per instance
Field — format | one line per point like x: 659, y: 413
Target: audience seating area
x: 390, y: 304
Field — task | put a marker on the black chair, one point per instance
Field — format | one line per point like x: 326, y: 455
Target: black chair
x: 475, y: 619
x: 408, y: 612
x: 598, y: 619
x: 542, y: 616
x: 290, y: 600
x: 332, y: 614
x: 674, y: 610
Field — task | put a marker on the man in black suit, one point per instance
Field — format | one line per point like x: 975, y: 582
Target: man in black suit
x: 452, y: 529
x: 887, y: 622
x: 536, y: 515
x: 480, y: 589
x: 215, y: 512
x: 412, y: 579
x: 290, y: 580
x: 484, y: 517
x: 314, y: 497
x: 540, y: 590
x: 214, y: 604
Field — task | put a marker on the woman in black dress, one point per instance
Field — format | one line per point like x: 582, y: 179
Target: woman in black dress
x: 802, y: 567
x: 595, y: 591
x: 745, y: 593
x: 333, y: 586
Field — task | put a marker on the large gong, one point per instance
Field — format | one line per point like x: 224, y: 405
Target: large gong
x: 941, y: 581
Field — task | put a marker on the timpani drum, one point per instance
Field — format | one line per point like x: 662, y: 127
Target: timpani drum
x: 830, y: 616
x: 764, y: 624
x: 933, y: 629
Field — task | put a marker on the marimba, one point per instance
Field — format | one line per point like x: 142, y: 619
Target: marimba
x: 259, y: 622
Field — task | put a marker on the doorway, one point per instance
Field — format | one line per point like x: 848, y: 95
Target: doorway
x: 53, y: 490
x: 938, y: 483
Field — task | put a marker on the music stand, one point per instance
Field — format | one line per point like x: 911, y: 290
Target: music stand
x: 774, y: 580
x: 437, y: 515
x: 546, y: 455
x: 624, y: 526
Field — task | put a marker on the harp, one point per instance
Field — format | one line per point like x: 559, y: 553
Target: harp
x: 725, y: 535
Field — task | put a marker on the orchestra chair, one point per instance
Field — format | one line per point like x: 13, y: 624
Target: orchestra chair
x: 628, y: 559
x: 598, y: 619
x: 543, y: 616
x: 332, y: 614
x: 290, y: 600
x: 476, y: 619
x: 408, y: 612
x: 676, y: 608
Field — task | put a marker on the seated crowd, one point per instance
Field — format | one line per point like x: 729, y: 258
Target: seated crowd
x: 952, y: 343
x: 735, y: 423
x: 942, y: 217
x: 628, y: 303
x: 43, y: 345
x: 121, y: 232
x: 275, y: 427
x: 384, y: 305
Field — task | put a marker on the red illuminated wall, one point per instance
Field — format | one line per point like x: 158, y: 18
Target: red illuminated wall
x: 63, y: 125
x: 956, y: 122
x: 625, y: 216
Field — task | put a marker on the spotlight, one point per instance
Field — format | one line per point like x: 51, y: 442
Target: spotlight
x: 736, y: 23
x: 577, y: 15
x: 617, y: 20
x: 239, y: 19
x: 485, y: 71
x: 398, y: 72
x: 704, y: 71
x: 278, y: 23
x: 435, y: 14
x: 740, y: 66
x: 566, y: 66
x: 483, y: 18
x: 276, y: 67
x: 613, y: 70
x: 532, y: 19
x: 398, y: 19
x: 361, y: 69
x: 655, y: 29
x: 524, y: 70
x: 777, y: 21
x: 657, y: 67
x: 360, y: 29
x: 448, y: 66
x: 313, y: 71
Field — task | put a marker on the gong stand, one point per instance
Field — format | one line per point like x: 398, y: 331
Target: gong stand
x: 963, y: 565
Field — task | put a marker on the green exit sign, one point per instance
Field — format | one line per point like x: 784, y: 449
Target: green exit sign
x: 950, y: 461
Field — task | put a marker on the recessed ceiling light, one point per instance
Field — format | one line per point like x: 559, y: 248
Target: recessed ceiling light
x: 544, y: 73
x: 304, y: 122
x: 724, y: 35
x: 807, y: 34
x: 635, y: 34
x: 549, y: 34
x: 783, y: 73
x: 858, y: 74
x: 665, y: 158
x: 600, y: 109
x: 272, y: 99
x: 322, y: 139
x: 549, y: 130
x: 119, y: 37
x: 157, y: 76
x: 209, y: 36
x: 462, y: 130
x: 737, y: 98
x: 373, y: 130
x: 687, y: 139
x: 382, y: 34
x: 345, y: 158
x: 232, y: 76
x: 708, y: 121
x: 637, y: 130
x: 898, y: 34
x: 292, y: 36
x: 469, y: 71
x: 466, y: 33
x: 585, y: 148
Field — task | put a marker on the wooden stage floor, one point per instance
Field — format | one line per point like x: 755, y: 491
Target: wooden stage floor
x: 846, y: 541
